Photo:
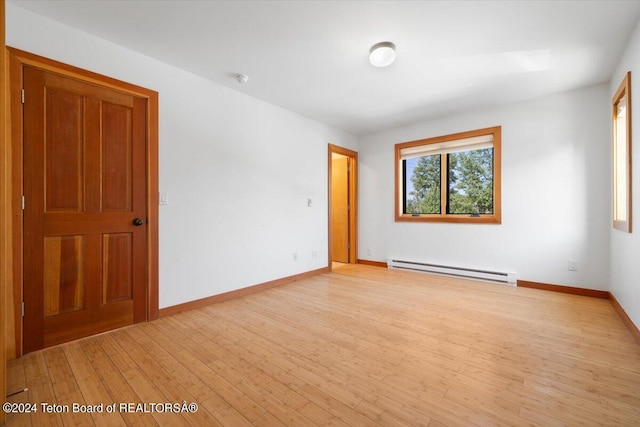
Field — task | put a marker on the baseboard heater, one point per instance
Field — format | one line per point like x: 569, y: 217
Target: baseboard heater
x: 471, y: 273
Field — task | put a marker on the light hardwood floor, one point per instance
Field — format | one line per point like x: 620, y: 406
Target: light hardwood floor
x: 359, y: 346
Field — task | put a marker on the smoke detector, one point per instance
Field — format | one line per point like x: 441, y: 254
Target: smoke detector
x: 241, y: 78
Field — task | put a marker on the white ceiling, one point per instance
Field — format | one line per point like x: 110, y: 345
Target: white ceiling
x: 310, y: 57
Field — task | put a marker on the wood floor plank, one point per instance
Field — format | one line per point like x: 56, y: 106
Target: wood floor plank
x: 335, y: 407
x: 40, y: 389
x: 113, y: 380
x: 177, y: 366
x: 358, y: 346
x: 93, y: 391
x: 150, y: 393
x: 274, y: 395
x: 65, y: 387
x: 16, y: 381
x: 279, y: 408
x: 381, y: 416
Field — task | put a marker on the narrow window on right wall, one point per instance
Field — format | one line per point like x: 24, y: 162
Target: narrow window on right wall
x: 622, y: 156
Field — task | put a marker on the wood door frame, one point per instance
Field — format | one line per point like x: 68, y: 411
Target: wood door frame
x: 5, y: 212
x: 353, y: 197
x: 17, y: 60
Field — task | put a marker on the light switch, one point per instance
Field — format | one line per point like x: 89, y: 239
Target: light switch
x: 164, y: 198
x: 309, y: 202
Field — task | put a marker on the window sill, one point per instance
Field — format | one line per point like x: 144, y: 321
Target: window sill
x: 460, y: 219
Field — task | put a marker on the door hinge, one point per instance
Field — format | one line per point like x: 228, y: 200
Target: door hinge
x: 348, y: 245
x: 22, y: 96
x: 348, y: 207
x: 22, y: 203
x: 22, y: 308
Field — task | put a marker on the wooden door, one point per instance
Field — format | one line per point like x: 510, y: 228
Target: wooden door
x: 340, y: 208
x: 85, y: 219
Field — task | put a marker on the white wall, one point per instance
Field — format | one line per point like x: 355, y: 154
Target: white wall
x: 625, y: 247
x: 555, y: 194
x: 238, y: 171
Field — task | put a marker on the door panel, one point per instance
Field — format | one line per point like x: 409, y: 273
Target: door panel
x: 117, y: 282
x: 63, y: 274
x: 84, y: 183
x: 63, y: 146
x: 117, y: 158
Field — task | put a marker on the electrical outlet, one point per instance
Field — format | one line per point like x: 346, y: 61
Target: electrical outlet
x: 314, y: 254
x: 369, y: 252
x: 295, y: 256
x: 573, y: 265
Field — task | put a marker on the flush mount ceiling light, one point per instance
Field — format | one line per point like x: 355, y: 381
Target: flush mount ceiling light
x: 382, y: 54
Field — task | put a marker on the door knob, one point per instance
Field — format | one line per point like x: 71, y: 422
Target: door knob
x: 138, y: 222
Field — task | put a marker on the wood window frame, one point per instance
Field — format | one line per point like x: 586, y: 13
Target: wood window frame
x: 622, y: 223
x: 443, y: 216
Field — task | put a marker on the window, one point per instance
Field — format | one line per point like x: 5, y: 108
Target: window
x: 452, y: 178
x: 622, y: 156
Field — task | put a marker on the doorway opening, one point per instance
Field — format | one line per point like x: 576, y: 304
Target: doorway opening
x: 343, y: 198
